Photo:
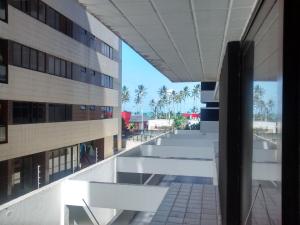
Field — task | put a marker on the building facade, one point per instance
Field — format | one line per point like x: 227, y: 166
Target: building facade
x: 60, y: 76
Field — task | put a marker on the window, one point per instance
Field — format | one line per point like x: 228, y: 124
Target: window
x: 3, y: 121
x: 42, y: 12
x: 38, y: 113
x: 3, y: 9
x: 69, y: 70
x: 69, y: 158
x: 25, y: 56
x: 34, y: 8
x: 63, y: 68
x: 26, y: 112
x: 41, y: 61
x: 62, y: 160
x: 15, y: 3
x: 17, y: 54
x: 57, y: 66
x: 3, y: 61
x: 50, y: 64
x: 83, y: 107
x: 50, y: 19
x: 57, y: 21
x: 33, y: 59
x: 102, y: 80
x: 63, y: 24
x: 92, y: 108
x: 21, y: 112
x: 25, y: 6
x: 60, y: 112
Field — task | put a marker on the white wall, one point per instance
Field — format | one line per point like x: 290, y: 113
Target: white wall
x: 209, y: 126
x: 179, y: 167
x: 113, y: 196
x: 177, y: 151
x: 208, y: 96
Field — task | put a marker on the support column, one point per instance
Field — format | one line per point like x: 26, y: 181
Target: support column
x: 235, y: 135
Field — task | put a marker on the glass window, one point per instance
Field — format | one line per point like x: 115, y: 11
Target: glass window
x: 51, y: 112
x: 21, y: 112
x: 34, y: 8
x: 17, y: 54
x: 62, y: 160
x: 41, y: 61
x: 69, y: 158
x: 25, y: 56
x: 57, y: 21
x: 60, y: 113
x: 38, y: 113
x: 102, y: 80
x: 69, y: 70
x: 25, y: 6
x: 57, y: 66
x: 42, y: 12
x: 75, y: 157
x: 50, y: 163
x: 33, y: 59
x: 15, y: 3
x: 63, y: 68
x: 68, y: 112
x: 3, y: 6
x: 50, y: 20
x: 63, y: 24
x: 56, y: 161
x: 3, y: 60
x: 50, y: 64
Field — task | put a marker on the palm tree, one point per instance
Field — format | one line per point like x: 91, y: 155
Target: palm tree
x: 162, y: 93
x: 186, y: 93
x: 140, y: 94
x: 269, y: 106
x: 160, y: 105
x: 153, y: 106
x: 196, y: 93
x: 194, y: 109
x: 125, y: 98
x: 173, y: 99
x: 180, y: 98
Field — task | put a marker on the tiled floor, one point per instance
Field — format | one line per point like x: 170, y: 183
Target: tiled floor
x: 185, y: 203
x: 188, y: 204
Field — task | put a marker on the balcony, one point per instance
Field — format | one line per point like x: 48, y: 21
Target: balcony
x: 168, y: 179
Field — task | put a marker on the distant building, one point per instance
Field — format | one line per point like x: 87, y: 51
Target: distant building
x: 137, y: 121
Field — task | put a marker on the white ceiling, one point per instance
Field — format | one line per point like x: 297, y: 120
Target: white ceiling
x: 184, y: 39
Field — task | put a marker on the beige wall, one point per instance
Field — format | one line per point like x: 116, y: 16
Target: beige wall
x: 108, y: 146
x: 28, y: 85
x: 34, y: 138
x: 26, y: 30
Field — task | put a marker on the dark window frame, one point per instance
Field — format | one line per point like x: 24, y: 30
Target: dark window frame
x: 4, y: 46
x: 5, y: 3
x: 48, y: 15
x: 48, y: 64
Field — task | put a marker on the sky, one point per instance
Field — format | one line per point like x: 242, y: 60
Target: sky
x: 136, y: 71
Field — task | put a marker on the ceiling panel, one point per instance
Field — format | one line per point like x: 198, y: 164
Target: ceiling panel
x: 184, y: 39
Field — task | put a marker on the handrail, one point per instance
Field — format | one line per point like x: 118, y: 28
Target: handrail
x: 91, y: 212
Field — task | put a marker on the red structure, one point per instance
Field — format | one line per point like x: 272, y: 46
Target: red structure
x: 126, y: 116
x: 191, y: 115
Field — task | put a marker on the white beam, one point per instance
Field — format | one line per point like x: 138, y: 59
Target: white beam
x: 179, y: 167
x: 113, y: 196
x: 177, y: 151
